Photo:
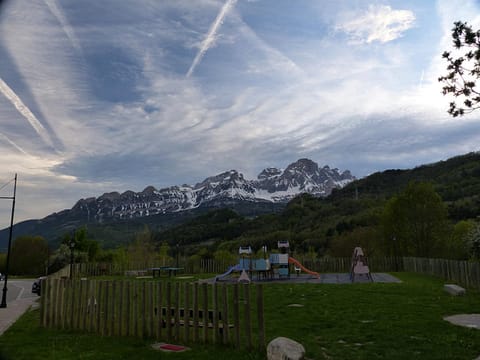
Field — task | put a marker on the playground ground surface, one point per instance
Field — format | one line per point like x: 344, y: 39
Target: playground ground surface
x: 332, y: 278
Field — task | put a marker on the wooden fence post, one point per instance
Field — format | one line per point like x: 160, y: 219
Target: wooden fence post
x: 186, y: 312
x: 168, y: 317
x: 226, y: 339
x: 248, y: 325
x: 159, y: 306
x: 236, y: 314
x: 205, y: 312
x: 195, y: 313
x: 177, y: 311
x: 215, y: 313
x: 261, y: 320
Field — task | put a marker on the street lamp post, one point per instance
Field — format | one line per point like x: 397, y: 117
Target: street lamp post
x: 3, y: 304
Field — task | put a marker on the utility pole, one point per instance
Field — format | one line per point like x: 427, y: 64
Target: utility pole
x: 3, y: 304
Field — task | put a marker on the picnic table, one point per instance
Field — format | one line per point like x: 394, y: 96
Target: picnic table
x: 170, y: 270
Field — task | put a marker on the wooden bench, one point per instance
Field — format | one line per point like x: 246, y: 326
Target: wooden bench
x: 169, y: 270
x: 201, y: 319
x: 136, y: 273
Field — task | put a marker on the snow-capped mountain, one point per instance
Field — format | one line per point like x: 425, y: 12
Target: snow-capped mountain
x: 272, y: 185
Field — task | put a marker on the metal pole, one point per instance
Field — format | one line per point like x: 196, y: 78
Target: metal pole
x: 5, y: 288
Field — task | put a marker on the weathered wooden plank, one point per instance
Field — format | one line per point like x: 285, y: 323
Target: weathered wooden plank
x: 236, y: 314
x: 248, y: 324
x: 128, y: 309
x: 151, y: 309
x: 225, y: 314
x: 215, y: 309
x: 260, y: 318
x: 177, y: 311
x: 186, y: 313
x: 205, y: 311
x: 168, y: 314
x: 195, y: 313
x: 159, y: 305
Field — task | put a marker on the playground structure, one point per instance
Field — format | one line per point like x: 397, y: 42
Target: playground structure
x: 359, y: 266
x: 275, y: 266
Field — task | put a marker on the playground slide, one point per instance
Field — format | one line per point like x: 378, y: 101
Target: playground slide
x: 229, y: 271
x: 296, y: 262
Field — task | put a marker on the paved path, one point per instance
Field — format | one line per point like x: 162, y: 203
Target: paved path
x: 19, y: 300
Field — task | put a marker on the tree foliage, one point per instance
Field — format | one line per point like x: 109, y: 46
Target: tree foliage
x: 460, y: 245
x: 463, y: 70
x: 474, y: 239
x: 415, y: 221
x: 142, y: 249
x: 29, y: 255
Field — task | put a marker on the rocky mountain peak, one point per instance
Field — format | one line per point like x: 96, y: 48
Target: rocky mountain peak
x: 269, y: 173
x: 303, y: 165
x: 149, y: 190
x: 272, y: 185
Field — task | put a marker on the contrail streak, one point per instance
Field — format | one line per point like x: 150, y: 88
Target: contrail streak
x: 210, y: 38
x: 25, y: 111
x: 57, y: 12
x: 5, y: 137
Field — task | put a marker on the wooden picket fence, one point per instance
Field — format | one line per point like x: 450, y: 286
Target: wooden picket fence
x: 203, y: 266
x: 465, y: 273
x: 230, y: 314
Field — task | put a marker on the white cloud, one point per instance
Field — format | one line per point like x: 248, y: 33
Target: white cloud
x: 380, y: 23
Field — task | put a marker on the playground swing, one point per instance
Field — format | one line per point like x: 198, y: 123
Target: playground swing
x: 359, y: 266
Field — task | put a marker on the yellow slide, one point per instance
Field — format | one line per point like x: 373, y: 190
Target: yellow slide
x: 304, y: 269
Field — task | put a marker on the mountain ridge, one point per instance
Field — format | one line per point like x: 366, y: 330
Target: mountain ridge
x: 272, y: 185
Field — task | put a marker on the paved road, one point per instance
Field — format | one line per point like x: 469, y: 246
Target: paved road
x: 19, y: 300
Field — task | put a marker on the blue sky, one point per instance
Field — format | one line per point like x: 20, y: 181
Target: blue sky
x: 115, y: 95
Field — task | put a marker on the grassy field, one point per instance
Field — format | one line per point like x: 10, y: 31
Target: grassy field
x: 359, y: 321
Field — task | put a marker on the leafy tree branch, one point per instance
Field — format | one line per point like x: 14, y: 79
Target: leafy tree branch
x: 463, y: 70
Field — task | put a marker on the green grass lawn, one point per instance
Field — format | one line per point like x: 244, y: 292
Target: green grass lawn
x: 353, y: 321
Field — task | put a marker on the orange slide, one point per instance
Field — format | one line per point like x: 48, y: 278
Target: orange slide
x: 296, y: 262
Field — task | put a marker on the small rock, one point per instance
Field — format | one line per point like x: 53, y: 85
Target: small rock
x: 282, y: 348
x: 453, y: 289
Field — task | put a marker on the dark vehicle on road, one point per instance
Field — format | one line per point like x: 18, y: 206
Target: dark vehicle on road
x: 37, y: 285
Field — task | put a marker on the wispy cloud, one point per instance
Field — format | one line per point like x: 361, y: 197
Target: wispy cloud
x: 380, y: 23
x: 211, y: 35
x: 58, y: 13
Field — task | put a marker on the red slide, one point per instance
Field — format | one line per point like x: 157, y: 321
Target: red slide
x: 296, y: 262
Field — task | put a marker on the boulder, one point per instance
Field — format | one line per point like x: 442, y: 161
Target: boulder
x: 453, y: 289
x: 282, y: 348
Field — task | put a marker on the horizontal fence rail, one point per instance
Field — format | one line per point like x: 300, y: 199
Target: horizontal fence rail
x: 230, y: 314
